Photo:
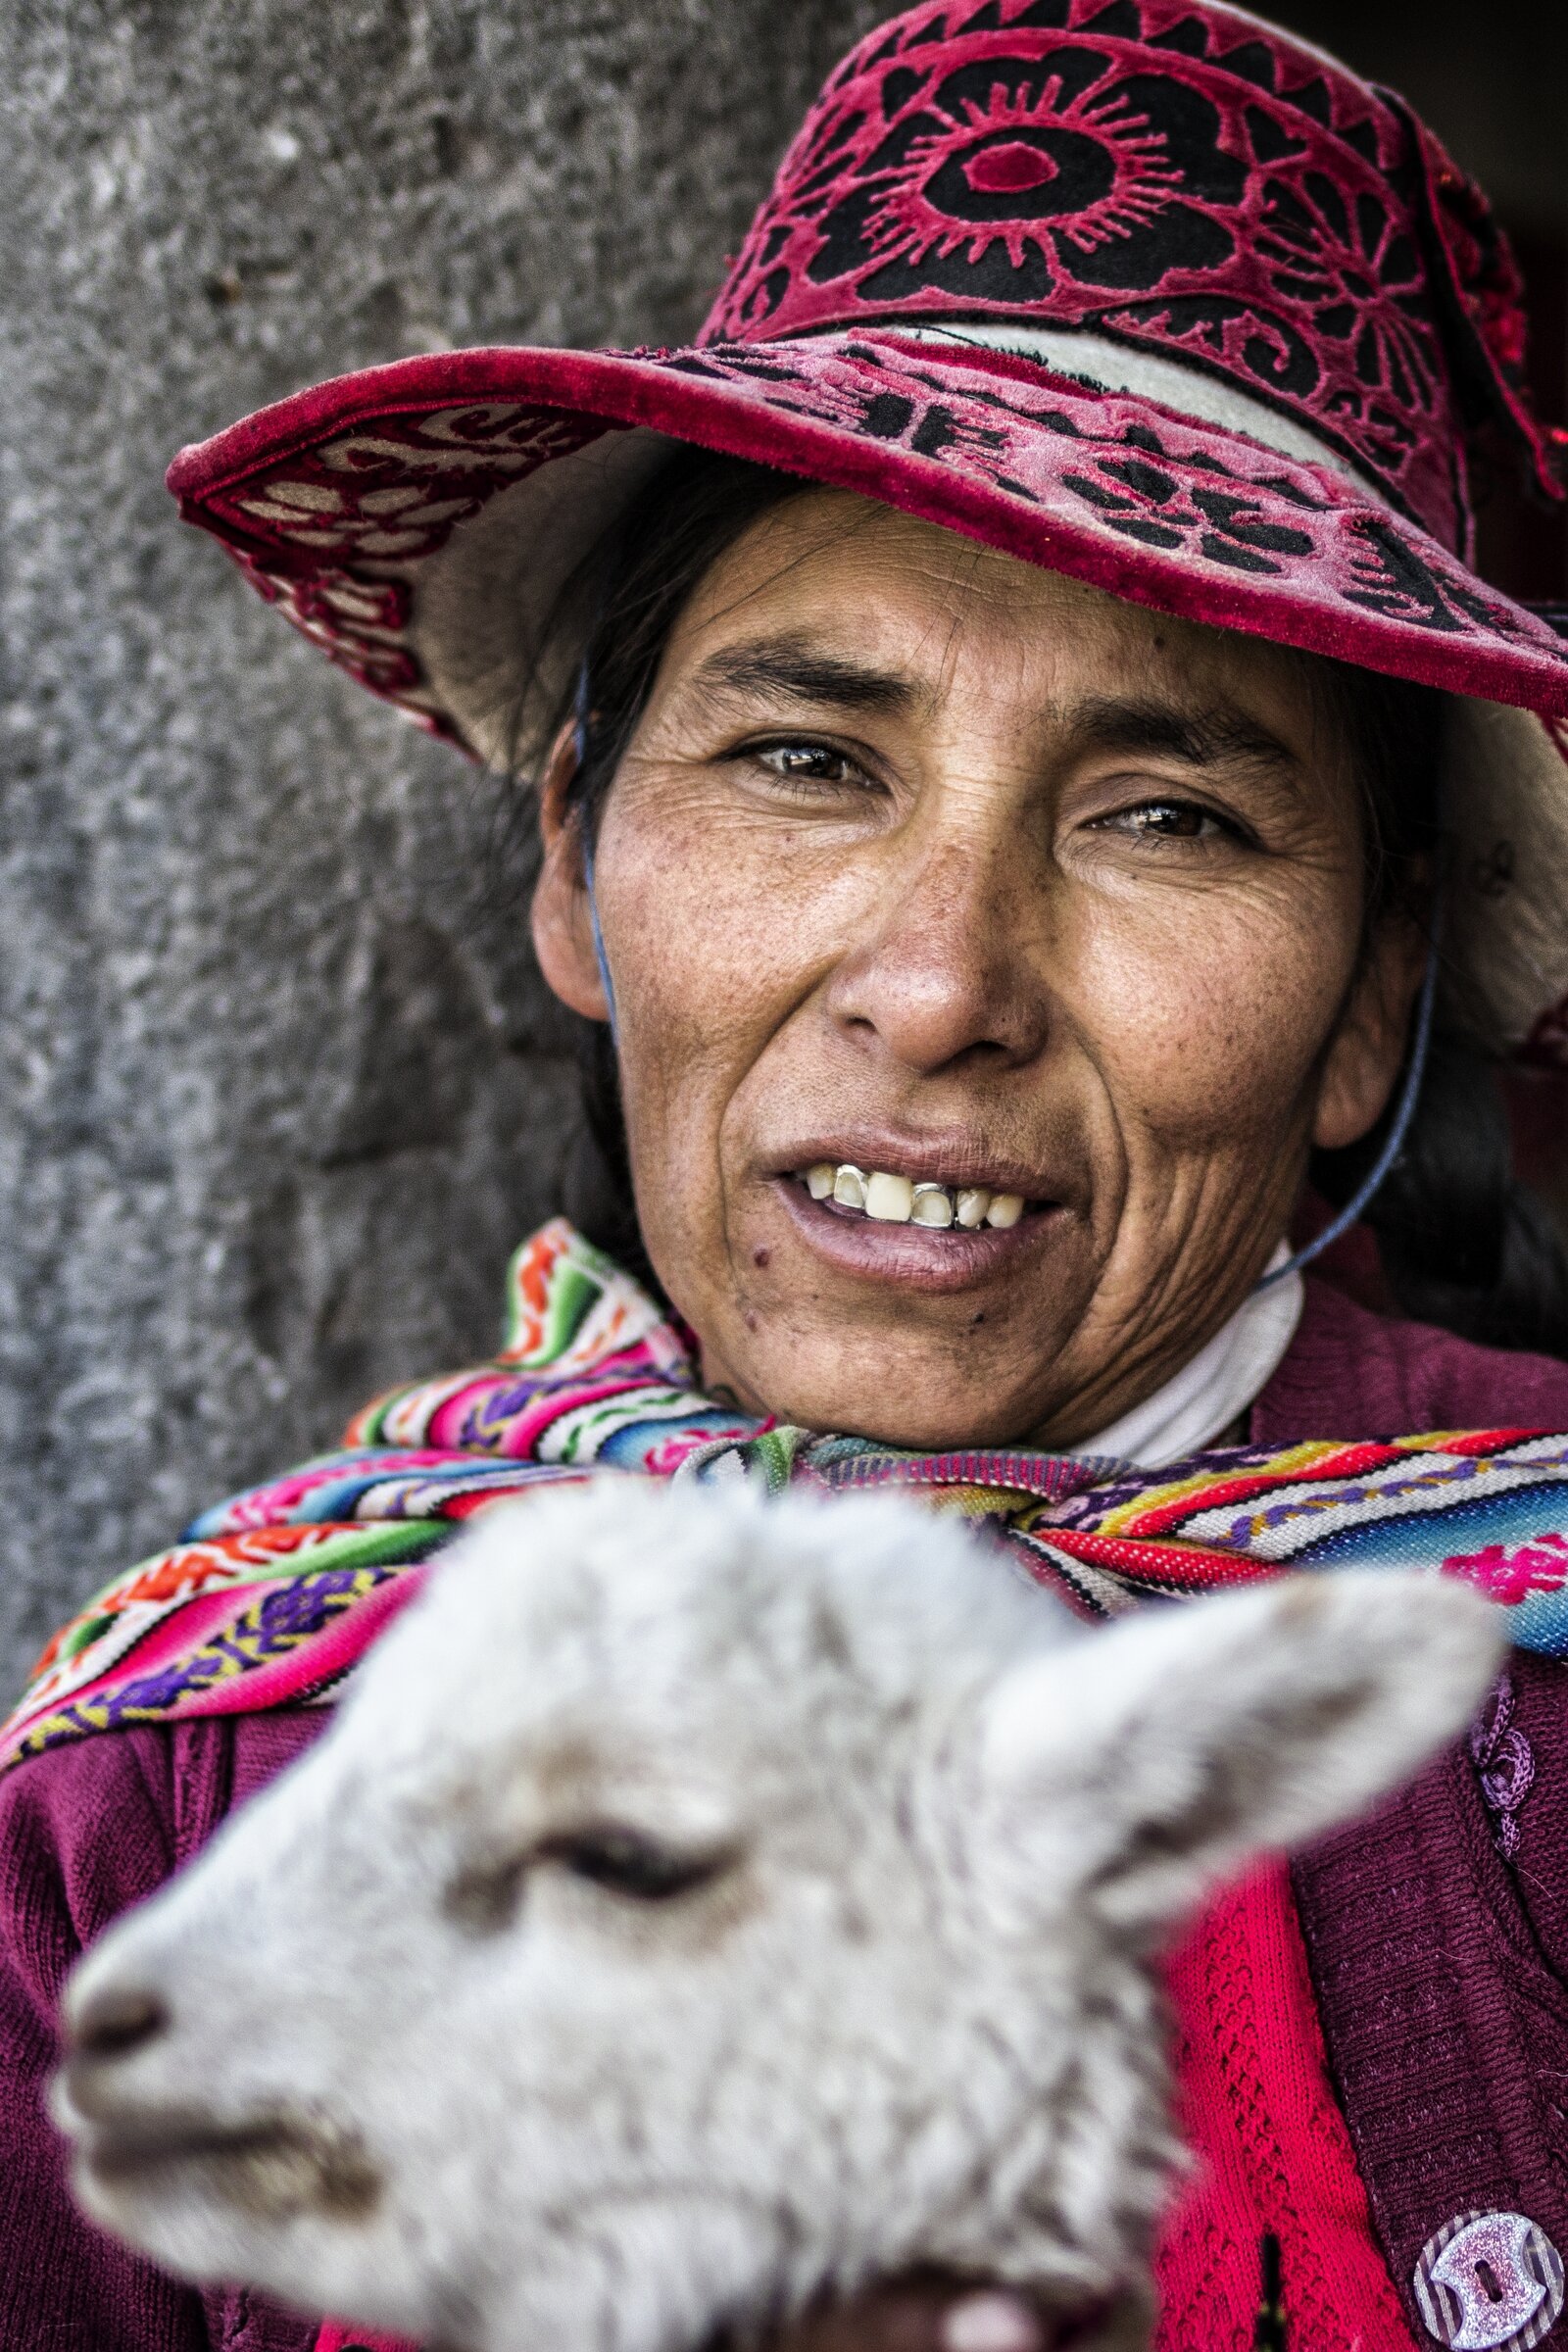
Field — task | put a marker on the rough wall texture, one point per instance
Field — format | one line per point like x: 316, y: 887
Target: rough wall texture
x: 278, y: 1087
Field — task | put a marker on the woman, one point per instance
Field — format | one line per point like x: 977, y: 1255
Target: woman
x: 1027, y: 779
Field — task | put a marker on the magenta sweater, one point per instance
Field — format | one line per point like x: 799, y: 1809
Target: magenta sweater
x: 1437, y: 1932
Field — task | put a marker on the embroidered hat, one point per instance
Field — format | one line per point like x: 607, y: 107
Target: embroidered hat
x: 1144, y: 291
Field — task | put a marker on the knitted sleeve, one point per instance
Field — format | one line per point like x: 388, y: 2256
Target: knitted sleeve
x: 83, y: 1832
x: 1519, y: 1748
x: 1349, y: 1373
x: 86, y: 1831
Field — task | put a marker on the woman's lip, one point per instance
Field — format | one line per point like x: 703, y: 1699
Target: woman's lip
x: 919, y: 1257
x: 936, y: 1160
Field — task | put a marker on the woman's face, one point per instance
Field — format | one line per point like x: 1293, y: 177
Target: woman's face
x: 929, y: 863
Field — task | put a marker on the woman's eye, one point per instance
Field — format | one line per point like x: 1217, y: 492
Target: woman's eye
x: 810, y: 766
x: 1167, y: 820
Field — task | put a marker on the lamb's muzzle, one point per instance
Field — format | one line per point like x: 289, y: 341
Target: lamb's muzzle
x: 702, y: 1904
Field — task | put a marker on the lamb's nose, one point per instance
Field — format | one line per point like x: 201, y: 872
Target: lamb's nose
x: 113, y: 2021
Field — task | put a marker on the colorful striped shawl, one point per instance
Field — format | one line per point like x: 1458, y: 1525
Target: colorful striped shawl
x: 271, y: 1598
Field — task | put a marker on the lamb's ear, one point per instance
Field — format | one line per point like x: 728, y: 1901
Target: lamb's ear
x: 1136, y: 1768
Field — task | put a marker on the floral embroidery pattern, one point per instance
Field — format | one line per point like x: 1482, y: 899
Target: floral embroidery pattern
x: 1144, y: 502
x: 1508, y: 1572
x: 1014, y: 170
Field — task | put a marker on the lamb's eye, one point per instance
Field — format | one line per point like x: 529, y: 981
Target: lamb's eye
x: 625, y: 1862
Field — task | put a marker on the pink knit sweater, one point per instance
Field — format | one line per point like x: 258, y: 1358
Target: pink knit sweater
x: 1270, y: 2146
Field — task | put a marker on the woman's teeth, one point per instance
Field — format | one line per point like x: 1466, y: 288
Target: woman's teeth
x: 895, y: 1201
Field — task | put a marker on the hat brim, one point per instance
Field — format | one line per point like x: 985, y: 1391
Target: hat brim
x: 418, y: 522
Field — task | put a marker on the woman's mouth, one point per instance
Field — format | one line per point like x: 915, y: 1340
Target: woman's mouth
x: 917, y: 1227
x: 891, y: 1199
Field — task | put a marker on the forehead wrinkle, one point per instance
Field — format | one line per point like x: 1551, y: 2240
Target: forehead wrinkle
x: 959, y: 626
x: 793, y: 667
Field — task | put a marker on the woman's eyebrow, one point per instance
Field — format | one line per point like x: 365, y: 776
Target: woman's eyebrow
x: 799, y: 670
x: 1220, y: 734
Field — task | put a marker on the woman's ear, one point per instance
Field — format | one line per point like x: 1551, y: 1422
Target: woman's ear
x: 1362, y: 1063
x: 563, y: 931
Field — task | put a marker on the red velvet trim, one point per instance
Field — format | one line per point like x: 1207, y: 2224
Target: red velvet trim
x: 1036, y: 466
x: 336, y: 2337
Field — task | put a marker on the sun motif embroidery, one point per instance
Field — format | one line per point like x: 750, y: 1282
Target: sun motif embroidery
x: 1025, y: 168
x: 1360, y: 273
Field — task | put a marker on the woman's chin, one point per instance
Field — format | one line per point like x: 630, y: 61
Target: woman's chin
x: 915, y: 1337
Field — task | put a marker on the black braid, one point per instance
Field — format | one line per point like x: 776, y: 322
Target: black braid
x: 1463, y: 1242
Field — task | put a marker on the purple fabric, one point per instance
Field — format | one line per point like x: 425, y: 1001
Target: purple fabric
x: 1350, y: 1373
x: 1436, y: 1929
x: 1438, y: 1968
x: 97, y: 1829
x: 1445, y: 2011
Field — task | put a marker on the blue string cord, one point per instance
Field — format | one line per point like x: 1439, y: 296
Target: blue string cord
x: 1395, y: 1142
x: 580, y: 742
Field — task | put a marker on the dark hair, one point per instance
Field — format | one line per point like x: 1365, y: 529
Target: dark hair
x: 1463, y: 1242
x: 631, y: 587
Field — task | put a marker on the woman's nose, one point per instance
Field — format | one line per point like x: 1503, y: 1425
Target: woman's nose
x: 946, y: 970
x: 115, y: 2020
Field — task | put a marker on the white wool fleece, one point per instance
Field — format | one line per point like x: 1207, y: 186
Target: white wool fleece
x: 703, y: 1901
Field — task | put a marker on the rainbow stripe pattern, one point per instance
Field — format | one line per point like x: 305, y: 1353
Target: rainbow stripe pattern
x: 272, y: 1599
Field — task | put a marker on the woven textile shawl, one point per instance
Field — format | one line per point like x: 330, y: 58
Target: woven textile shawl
x: 272, y: 1599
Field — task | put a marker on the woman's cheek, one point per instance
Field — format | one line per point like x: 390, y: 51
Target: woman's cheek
x: 717, y: 930
x: 718, y: 946
x: 1207, y: 1020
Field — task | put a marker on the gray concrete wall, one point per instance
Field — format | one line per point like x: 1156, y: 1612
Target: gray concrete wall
x: 278, y: 1087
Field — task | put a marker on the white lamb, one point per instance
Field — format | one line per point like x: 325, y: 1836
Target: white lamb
x: 701, y: 1904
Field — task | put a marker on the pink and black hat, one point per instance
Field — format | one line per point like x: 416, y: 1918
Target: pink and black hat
x: 1144, y: 291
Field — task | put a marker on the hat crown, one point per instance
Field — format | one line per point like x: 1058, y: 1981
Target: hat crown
x: 1182, y: 180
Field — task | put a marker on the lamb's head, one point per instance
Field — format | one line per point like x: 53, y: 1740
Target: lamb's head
x: 702, y: 1901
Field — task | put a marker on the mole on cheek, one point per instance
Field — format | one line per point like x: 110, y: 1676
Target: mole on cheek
x: 760, y: 1254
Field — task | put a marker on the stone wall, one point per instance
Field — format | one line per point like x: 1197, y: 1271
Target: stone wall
x: 279, y: 1087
